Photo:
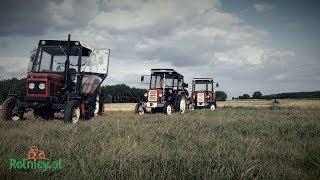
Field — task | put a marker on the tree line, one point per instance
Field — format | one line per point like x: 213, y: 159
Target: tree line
x: 289, y: 95
x: 119, y: 93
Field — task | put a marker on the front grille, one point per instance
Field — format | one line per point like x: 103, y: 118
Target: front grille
x: 200, y: 97
x: 36, y: 89
x: 152, y: 95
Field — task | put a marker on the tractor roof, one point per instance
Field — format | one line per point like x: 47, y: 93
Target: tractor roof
x: 202, y: 79
x: 85, y: 48
x: 165, y: 71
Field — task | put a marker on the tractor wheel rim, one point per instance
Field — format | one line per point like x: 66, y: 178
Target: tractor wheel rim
x: 96, y: 110
x: 15, y: 118
x: 182, y: 105
x: 169, y: 110
x: 76, y: 115
x: 141, y: 111
x: 212, y: 107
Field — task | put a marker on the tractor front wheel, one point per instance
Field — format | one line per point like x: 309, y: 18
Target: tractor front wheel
x: 213, y: 107
x: 139, y: 109
x: 9, y: 106
x: 72, y: 112
x: 191, y: 106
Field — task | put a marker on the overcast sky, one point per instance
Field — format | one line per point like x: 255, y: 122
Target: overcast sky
x: 271, y: 46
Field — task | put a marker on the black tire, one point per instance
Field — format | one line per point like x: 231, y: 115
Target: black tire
x: 8, y: 106
x: 101, y: 105
x: 90, y: 111
x: 71, y: 109
x: 191, y: 106
x: 138, y: 109
x: 182, y: 98
x: 166, y: 108
x: 44, y: 113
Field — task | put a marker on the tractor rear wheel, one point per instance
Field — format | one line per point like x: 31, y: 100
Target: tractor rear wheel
x: 167, y: 108
x: 182, y: 104
x: 96, y: 105
x: 139, y: 108
x: 72, y: 112
x: 9, y: 106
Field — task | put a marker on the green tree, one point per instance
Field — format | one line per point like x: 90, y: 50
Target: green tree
x: 245, y: 96
x: 122, y: 93
x: 13, y: 85
x: 257, y: 95
x: 221, y: 95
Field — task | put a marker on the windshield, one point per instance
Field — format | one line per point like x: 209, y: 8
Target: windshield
x: 52, y: 58
x: 203, y: 87
x: 170, y: 81
x: 156, y: 81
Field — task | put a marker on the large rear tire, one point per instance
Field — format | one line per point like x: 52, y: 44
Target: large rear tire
x: 72, y: 112
x: 167, y: 108
x: 97, y: 105
x: 182, y: 104
x: 8, y: 107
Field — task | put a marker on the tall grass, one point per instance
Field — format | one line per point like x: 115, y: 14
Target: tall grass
x: 229, y: 143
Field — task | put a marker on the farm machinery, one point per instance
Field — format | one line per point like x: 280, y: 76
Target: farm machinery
x: 166, y: 93
x: 63, y: 76
x: 203, y: 94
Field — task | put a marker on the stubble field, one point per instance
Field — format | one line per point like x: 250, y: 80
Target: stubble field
x: 234, y: 141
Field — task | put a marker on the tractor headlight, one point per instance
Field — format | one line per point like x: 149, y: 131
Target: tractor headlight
x: 160, y: 95
x: 42, y: 86
x: 31, y: 85
x: 208, y: 96
x: 145, y: 94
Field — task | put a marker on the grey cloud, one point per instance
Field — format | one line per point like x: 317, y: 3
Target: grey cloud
x: 36, y: 17
x: 23, y: 17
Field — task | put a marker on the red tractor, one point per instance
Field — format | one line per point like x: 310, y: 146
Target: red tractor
x: 166, y: 93
x: 203, y: 94
x: 63, y: 76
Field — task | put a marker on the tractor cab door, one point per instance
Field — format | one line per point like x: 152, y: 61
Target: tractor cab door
x: 98, y: 62
x: 95, y: 68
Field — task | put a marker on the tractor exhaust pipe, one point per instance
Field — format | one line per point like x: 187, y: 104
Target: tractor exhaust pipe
x: 67, y: 64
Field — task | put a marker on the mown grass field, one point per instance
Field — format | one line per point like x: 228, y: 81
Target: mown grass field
x: 231, y: 142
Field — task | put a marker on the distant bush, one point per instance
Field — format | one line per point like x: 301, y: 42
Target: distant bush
x: 11, y: 85
x: 245, y: 96
x: 221, y: 96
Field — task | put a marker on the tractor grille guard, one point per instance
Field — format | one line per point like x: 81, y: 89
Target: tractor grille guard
x: 152, y: 95
x: 200, y: 97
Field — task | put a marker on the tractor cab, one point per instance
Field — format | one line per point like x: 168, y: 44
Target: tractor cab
x: 166, y: 89
x: 203, y: 94
x: 63, y: 75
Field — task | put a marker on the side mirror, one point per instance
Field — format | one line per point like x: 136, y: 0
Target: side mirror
x: 142, y: 78
x: 185, y: 85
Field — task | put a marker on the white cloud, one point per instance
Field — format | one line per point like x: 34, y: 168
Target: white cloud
x: 262, y: 7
